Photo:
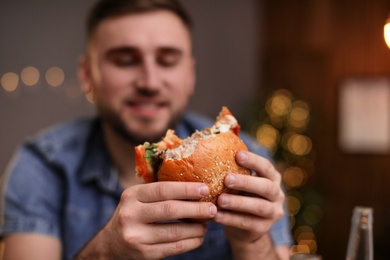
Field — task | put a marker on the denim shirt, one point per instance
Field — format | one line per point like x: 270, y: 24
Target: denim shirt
x: 62, y: 183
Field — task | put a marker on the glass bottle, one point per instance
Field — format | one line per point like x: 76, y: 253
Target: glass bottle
x: 360, y: 243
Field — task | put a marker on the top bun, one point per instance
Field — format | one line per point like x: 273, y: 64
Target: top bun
x: 211, y: 160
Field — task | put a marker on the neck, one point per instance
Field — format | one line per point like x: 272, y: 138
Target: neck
x: 122, y: 154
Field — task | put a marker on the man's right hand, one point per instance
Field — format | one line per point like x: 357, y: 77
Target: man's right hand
x: 145, y: 226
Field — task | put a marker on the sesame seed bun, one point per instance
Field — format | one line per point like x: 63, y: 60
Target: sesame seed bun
x: 211, y: 160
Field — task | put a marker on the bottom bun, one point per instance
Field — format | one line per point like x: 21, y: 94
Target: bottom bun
x: 212, y: 160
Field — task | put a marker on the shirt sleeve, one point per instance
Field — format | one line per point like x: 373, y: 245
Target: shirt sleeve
x: 281, y: 232
x: 31, y: 195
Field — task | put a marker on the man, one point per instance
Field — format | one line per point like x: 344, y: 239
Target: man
x: 72, y: 192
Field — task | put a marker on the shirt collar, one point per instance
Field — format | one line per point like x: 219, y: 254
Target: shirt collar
x: 98, y: 167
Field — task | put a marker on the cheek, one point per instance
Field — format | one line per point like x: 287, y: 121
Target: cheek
x: 183, y: 82
x: 112, y: 84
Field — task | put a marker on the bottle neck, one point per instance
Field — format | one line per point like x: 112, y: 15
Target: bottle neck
x: 360, y: 243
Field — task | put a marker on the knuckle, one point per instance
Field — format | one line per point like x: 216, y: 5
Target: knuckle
x: 126, y: 195
x: 161, y: 191
x: 187, y: 191
x: 280, y: 213
x: 277, y: 212
x: 131, y: 240
x: 268, y: 167
x: 123, y: 217
x: 179, y: 246
x: 173, y: 232
x: 168, y: 208
x: 270, y: 189
x: 278, y: 177
x: 244, y: 180
x: 282, y: 196
x: 199, y: 209
x: 247, y: 224
x: 260, y: 209
x: 175, y: 248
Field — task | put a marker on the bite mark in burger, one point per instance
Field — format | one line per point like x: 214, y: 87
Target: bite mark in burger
x: 206, y: 156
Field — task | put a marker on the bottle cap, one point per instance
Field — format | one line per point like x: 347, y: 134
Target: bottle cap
x: 363, y: 214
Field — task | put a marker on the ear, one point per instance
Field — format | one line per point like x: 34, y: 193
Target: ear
x: 85, y: 75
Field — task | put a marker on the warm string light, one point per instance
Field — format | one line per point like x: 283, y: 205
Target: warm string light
x: 386, y: 32
x: 281, y: 128
x: 30, y: 76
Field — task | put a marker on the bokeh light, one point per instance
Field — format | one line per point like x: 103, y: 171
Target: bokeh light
x: 55, y: 76
x: 303, y: 233
x: 10, y: 81
x: 267, y: 136
x: 296, y: 249
x: 299, y: 144
x: 293, y: 205
x: 299, y: 115
x: 306, y: 240
x: 281, y: 126
x: 310, y: 243
x: 386, y: 32
x: 30, y: 76
x: 294, y: 177
x: 279, y: 104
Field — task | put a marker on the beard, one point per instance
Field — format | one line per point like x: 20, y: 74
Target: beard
x: 113, y: 120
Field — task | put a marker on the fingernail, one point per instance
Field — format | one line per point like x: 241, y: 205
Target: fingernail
x: 242, y: 156
x: 204, y: 190
x: 213, y: 210
x: 224, y: 200
x: 231, y: 180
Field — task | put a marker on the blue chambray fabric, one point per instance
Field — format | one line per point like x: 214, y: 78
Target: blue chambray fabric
x: 61, y: 183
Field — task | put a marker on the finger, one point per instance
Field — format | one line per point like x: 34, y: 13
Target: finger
x: 260, y: 165
x: 260, y: 186
x: 174, y: 209
x: 158, y: 251
x: 245, y: 222
x: 249, y: 205
x: 171, y: 232
x: 161, y: 191
x: 243, y: 227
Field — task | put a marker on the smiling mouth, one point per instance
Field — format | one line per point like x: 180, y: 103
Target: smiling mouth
x: 146, y: 109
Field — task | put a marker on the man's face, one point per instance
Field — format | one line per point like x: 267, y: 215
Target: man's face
x: 141, y: 71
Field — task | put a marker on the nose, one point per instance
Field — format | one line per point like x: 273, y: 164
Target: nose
x: 148, y: 77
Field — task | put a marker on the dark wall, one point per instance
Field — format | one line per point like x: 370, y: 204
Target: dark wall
x: 44, y: 33
x: 310, y: 47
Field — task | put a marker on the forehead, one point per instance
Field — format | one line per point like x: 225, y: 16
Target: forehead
x: 146, y: 31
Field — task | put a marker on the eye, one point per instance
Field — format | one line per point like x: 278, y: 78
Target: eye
x: 168, y: 57
x: 124, y: 57
x: 125, y: 60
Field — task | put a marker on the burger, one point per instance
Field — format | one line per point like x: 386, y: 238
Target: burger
x: 206, y: 156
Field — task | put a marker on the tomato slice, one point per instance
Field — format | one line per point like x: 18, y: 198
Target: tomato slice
x: 236, y: 129
x: 224, y: 117
x: 171, y: 140
x: 142, y: 169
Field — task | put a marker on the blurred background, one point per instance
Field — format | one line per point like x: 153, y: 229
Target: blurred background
x: 310, y: 79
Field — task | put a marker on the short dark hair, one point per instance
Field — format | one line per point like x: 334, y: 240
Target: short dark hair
x: 104, y: 9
